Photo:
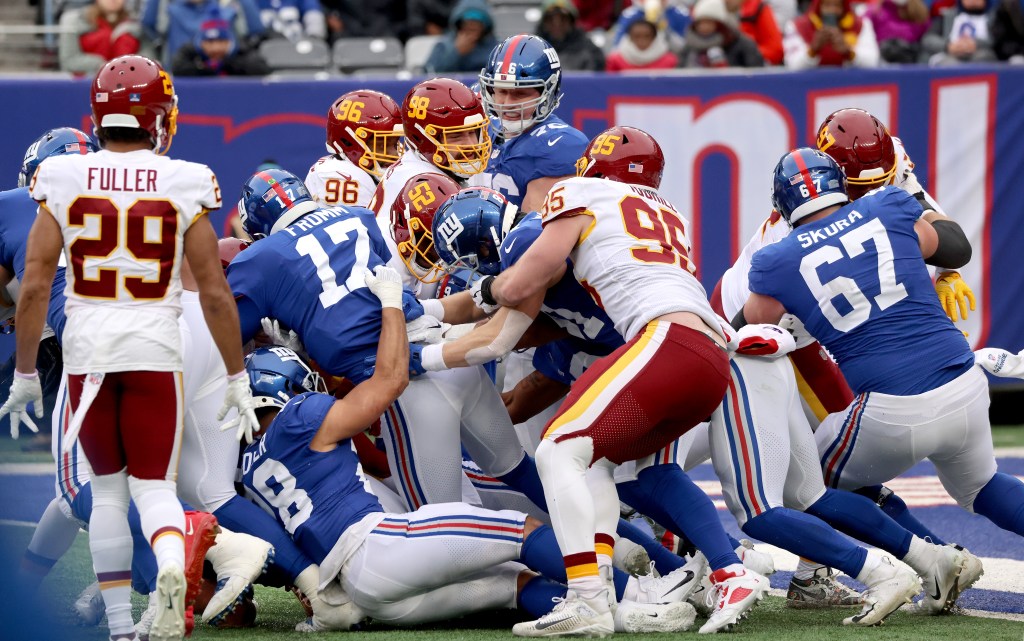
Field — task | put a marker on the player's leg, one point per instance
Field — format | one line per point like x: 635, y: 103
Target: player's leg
x: 492, y: 494
x: 415, y: 552
x: 110, y: 539
x: 492, y: 589
x: 489, y: 437
x: 421, y: 436
x: 151, y: 416
x: 969, y: 473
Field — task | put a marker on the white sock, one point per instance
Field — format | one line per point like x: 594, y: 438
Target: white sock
x: 110, y: 541
x: 308, y: 581
x: 806, y: 569
x: 587, y: 587
x: 920, y: 554
x: 874, y: 570
x: 163, y: 519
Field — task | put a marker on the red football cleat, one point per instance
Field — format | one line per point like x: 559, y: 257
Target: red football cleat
x: 190, y: 621
x: 200, y: 535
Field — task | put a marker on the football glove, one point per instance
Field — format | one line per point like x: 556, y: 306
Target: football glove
x: 277, y: 336
x: 1000, y: 362
x: 478, y: 297
x: 426, y: 330
x: 411, y: 307
x: 239, y: 397
x: 954, y: 295
x: 416, y: 360
x: 386, y: 285
x: 763, y: 339
x: 25, y: 389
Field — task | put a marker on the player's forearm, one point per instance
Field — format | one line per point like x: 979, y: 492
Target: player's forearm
x: 221, y: 316
x: 455, y: 309
x: 28, y: 322
x: 392, y: 366
x: 517, y: 284
x: 534, y: 394
x: 953, y: 250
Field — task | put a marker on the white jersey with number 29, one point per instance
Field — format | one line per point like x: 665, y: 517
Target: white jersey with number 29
x: 633, y: 258
x: 123, y: 217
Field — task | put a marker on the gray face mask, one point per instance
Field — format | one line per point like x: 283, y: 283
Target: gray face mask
x: 703, y: 43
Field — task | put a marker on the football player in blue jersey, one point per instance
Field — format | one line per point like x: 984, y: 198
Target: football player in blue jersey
x: 855, y: 276
x: 436, y: 563
x: 520, y: 88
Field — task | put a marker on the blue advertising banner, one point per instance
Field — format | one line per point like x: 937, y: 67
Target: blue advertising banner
x: 722, y: 134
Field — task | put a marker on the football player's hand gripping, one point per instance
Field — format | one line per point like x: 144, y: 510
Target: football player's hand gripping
x: 239, y: 396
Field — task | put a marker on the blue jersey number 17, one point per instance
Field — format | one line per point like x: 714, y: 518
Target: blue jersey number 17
x: 338, y: 232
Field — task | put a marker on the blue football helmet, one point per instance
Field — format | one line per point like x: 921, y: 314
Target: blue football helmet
x: 806, y: 181
x: 522, y: 62
x: 469, y: 227
x: 56, y: 142
x: 277, y: 374
x: 266, y: 199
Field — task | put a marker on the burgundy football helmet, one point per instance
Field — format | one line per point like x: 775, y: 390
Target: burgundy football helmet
x: 228, y: 248
x: 412, y: 218
x: 365, y: 126
x: 624, y: 154
x: 444, y: 121
x: 862, y: 146
x: 134, y: 91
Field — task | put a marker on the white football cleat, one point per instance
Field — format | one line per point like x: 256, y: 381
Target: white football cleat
x: 732, y: 596
x: 572, y: 617
x: 675, y: 586
x: 760, y: 562
x: 89, y: 606
x: 238, y: 559
x: 169, y: 620
x: 888, y: 590
x: 953, y: 571
x: 638, y: 618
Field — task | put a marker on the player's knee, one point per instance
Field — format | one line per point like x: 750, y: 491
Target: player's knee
x: 110, y: 490
x: 530, y: 525
x: 140, y: 488
x: 571, y: 455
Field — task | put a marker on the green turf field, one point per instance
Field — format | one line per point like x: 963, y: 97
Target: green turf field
x: 279, y: 611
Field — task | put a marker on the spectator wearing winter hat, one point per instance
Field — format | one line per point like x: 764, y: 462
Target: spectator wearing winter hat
x: 644, y: 47
x: 215, y: 52
x: 961, y: 34
x: 757, y: 21
x: 172, y: 24
x: 672, y: 16
x: 576, y: 51
x: 899, y: 26
x: 293, y: 19
x: 95, y: 34
x: 829, y: 34
x: 714, y: 41
x: 1008, y: 31
x: 469, y: 41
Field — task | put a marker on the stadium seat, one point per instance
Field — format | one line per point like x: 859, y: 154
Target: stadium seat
x: 305, y: 54
x: 509, y: 21
x: 417, y: 50
x: 351, y: 54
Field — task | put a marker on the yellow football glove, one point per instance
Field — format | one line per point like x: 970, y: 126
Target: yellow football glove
x: 954, y: 295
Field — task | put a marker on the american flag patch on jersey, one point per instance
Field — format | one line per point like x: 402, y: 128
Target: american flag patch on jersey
x: 636, y: 168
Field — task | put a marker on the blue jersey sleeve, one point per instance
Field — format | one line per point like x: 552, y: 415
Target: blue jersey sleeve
x: 301, y: 418
x: 518, y: 241
x: 554, y: 360
x: 557, y: 151
x: 369, y: 220
x: 248, y: 285
x: 55, y: 316
x: 759, y: 278
x: 894, y: 203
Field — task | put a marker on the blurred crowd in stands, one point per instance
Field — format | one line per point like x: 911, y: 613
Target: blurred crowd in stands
x: 244, y: 37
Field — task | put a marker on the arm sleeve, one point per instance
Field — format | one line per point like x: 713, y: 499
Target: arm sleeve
x: 39, y: 184
x: 760, y: 266
x: 209, y: 190
x: 516, y: 244
x: 554, y: 361
x: 560, y: 158
x: 249, y: 317
x: 55, y: 316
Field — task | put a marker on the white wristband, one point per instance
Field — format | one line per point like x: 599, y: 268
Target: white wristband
x: 433, y: 307
x: 432, y: 358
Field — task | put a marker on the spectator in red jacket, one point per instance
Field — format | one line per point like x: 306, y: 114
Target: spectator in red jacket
x: 95, y: 34
x: 757, y: 21
x: 645, y: 46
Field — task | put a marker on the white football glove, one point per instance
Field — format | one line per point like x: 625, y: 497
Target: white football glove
x: 426, y: 330
x: 1000, y: 362
x: 277, y: 336
x: 478, y: 297
x: 239, y: 397
x: 25, y: 389
x: 386, y: 284
x: 763, y: 339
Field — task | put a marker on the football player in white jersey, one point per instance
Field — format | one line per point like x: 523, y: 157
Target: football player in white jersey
x: 125, y: 216
x: 363, y: 132
x: 445, y: 133
x: 629, y: 249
